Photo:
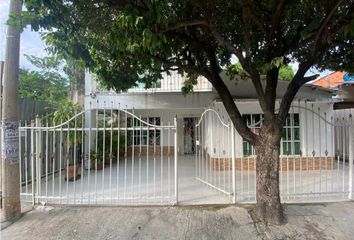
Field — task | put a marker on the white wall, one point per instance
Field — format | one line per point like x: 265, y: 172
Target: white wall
x: 316, y: 134
x: 150, y: 100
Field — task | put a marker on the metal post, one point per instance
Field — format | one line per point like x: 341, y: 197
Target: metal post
x: 33, y: 175
x: 176, y: 165
x: 350, y: 161
x: 38, y: 158
x: 11, y: 203
x: 233, y: 162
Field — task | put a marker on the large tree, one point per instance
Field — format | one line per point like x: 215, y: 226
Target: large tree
x: 131, y: 41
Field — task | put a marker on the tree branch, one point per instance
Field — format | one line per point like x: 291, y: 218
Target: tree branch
x: 223, y: 42
x: 246, y: 5
x: 270, y: 91
x: 323, y: 25
x: 276, y: 16
x: 186, y: 23
x: 227, y: 99
x: 245, y: 62
x: 298, y: 81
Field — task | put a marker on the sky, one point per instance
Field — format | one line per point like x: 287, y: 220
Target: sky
x: 32, y: 44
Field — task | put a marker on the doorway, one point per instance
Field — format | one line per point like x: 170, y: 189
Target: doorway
x: 189, y: 135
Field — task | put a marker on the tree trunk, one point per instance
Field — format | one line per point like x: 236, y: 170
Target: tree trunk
x: 269, y: 208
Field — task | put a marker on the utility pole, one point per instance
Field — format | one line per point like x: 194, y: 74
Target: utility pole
x: 11, y: 204
x: 1, y: 81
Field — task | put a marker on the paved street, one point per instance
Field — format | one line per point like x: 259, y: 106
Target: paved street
x: 308, y: 221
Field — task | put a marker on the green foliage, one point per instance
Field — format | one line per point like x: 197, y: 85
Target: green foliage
x: 192, y: 79
x: 125, y: 42
x: 66, y: 111
x: 106, y: 139
x: 67, y: 115
x: 234, y: 70
x: 96, y: 157
x: 47, y: 84
x: 286, y: 73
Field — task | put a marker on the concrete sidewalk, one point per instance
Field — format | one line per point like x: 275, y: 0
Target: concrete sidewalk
x: 310, y: 221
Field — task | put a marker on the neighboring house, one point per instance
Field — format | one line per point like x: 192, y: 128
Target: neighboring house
x: 305, y: 134
x: 342, y: 84
x: 331, y: 81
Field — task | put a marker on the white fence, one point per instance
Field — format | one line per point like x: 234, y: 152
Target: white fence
x: 316, y: 161
x: 173, y: 83
x: 112, y: 156
x: 101, y: 156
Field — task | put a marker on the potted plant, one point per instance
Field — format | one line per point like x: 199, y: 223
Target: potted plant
x: 96, y: 160
x: 110, y: 143
x: 63, y: 116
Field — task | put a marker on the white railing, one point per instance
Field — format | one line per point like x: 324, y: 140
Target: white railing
x: 174, y: 83
x: 100, y: 156
x: 321, y: 171
x: 112, y: 156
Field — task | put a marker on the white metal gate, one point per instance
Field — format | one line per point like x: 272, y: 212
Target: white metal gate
x: 100, y: 156
x: 214, y: 151
x: 316, y: 161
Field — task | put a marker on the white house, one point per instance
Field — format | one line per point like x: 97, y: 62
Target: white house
x: 157, y: 146
x: 308, y: 132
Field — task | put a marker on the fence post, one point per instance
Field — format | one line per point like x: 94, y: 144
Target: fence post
x: 233, y: 162
x: 176, y: 165
x: 32, y: 155
x: 350, y: 160
x: 38, y: 158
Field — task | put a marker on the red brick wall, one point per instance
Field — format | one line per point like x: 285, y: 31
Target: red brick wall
x: 287, y: 163
x: 157, y: 151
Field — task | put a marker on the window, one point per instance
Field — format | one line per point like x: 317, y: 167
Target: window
x: 290, y: 142
x: 144, y: 137
x: 254, y: 122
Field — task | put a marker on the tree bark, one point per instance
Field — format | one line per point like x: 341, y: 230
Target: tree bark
x: 267, y: 146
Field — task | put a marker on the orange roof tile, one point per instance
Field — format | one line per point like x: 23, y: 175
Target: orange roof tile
x: 330, y: 81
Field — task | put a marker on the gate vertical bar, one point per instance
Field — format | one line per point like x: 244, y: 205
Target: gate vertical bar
x: 111, y: 153
x: 140, y: 143
x: 26, y: 158
x: 176, y: 170
x: 104, y: 151
x: 46, y: 161
x: 118, y: 151
x: 89, y: 163
x: 233, y: 162
x: 75, y: 155
x: 134, y: 122
x: 350, y: 160
x: 169, y: 160
x: 161, y: 173
x: 20, y: 155
x: 32, y: 163
x: 55, y: 164
x: 38, y: 163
